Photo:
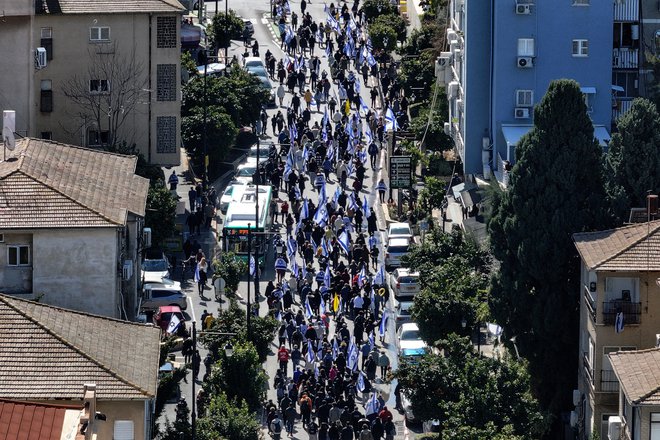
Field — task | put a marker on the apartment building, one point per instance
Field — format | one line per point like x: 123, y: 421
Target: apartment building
x: 502, y: 57
x: 619, y: 311
x: 95, y: 73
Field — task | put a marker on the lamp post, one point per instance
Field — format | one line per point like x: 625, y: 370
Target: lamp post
x: 249, y: 243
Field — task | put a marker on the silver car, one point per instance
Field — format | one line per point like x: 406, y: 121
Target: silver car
x: 396, y: 248
x: 404, y: 282
x: 159, y: 294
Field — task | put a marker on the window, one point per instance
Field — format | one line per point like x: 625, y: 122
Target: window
x: 99, y: 34
x: 18, y: 255
x: 166, y: 32
x: 97, y: 138
x: 47, y: 41
x: 166, y: 128
x: 580, y: 48
x: 623, y: 35
x: 525, y: 47
x: 123, y: 430
x: 99, y: 86
x: 524, y: 98
x: 166, y: 82
x: 46, y: 101
x: 655, y: 426
x: 48, y: 135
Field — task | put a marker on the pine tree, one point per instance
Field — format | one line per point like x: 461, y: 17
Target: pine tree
x: 555, y: 190
x: 632, y: 164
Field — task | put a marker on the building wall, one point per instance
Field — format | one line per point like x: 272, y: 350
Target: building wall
x: 16, y: 279
x: 553, y: 26
x: 641, y: 336
x: 86, y: 279
x: 121, y: 410
x: 133, y: 40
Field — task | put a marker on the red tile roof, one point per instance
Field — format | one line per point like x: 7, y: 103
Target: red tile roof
x: 31, y: 421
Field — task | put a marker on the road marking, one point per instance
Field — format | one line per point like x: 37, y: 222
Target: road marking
x: 264, y: 21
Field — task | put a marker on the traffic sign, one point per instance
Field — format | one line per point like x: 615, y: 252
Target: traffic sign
x: 400, y: 172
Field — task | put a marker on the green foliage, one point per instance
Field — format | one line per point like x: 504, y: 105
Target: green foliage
x: 417, y: 75
x: 632, y: 164
x: 374, y: 8
x: 160, y: 215
x: 165, y: 347
x: 394, y: 21
x: 434, y: 137
x: 381, y: 34
x: 220, y: 133
x: 167, y: 386
x: 555, y: 190
x: 473, y: 396
x: 181, y: 428
x: 409, y: 148
x: 240, y: 376
x: 233, y: 320
x: 227, y: 419
x: 432, y: 195
x: 188, y: 64
x: 230, y: 268
x: 224, y: 27
x: 429, y: 37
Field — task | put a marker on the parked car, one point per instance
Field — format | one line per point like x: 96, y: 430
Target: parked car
x: 411, y: 346
x: 252, y: 154
x: 396, y: 248
x: 156, y: 295
x: 157, y: 280
x: 155, y: 264
x: 402, y: 313
x: 212, y: 69
x: 245, y: 172
x: 164, y: 315
x: 399, y: 230
x: 404, y: 282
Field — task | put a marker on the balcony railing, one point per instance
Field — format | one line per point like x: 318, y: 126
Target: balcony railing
x: 586, y: 366
x: 608, y: 381
x: 625, y: 58
x: 631, y: 312
x: 590, y: 303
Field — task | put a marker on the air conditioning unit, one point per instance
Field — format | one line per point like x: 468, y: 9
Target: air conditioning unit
x: 40, y: 58
x: 521, y: 113
x: 127, y: 270
x: 523, y: 9
x: 525, y: 62
x: 573, y: 419
x: 452, y: 89
x: 614, y: 428
x: 577, y: 397
x: 446, y: 128
x: 451, y: 34
x: 146, y: 237
x: 458, y: 55
x: 459, y: 104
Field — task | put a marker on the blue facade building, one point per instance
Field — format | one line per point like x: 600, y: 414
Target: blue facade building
x: 504, y: 54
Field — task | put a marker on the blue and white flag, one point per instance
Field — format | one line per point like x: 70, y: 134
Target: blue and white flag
x: 344, y: 242
x: 318, y: 37
x: 323, y: 198
x: 365, y: 207
x: 360, y: 383
x: 335, y: 197
x: 352, y: 203
x: 321, y: 216
x: 380, y: 275
x: 304, y: 211
x: 335, y: 348
x: 390, y: 120
x: 353, y: 355
x: 327, y: 279
x: 296, y: 192
x: 325, y: 119
x: 327, y: 51
x: 372, y: 405
x: 369, y: 135
x: 253, y: 265
x: 330, y: 153
x: 304, y: 271
x: 324, y: 247
x: 287, y: 170
x: 294, y: 267
x: 293, y: 131
x: 175, y: 321
x: 279, y: 316
x: 382, y: 328
x: 288, y: 35
x: 618, y: 322
x: 349, y: 169
x: 308, y: 308
x: 197, y: 273
x: 362, y: 155
x: 370, y: 59
x: 280, y: 264
x: 322, y: 306
x: 291, y: 246
x: 362, y: 277
x: 372, y: 340
x: 310, y: 352
x: 363, y: 106
x: 319, y: 352
x: 316, y: 371
x: 356, y: 85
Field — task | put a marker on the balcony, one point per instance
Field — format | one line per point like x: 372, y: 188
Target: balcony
x: 631, y: 311
x: 590, y: 303
x: 608, y: 381
x: 587, y: 368
x: 625, y: 58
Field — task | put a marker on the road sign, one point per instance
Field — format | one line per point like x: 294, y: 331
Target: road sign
x: 400, y: 172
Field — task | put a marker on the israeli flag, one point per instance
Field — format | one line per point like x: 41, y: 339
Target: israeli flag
x: 370, y: 59
x: 327, y: 279
x: 362, y: 155
x: 253, y: 265
x: 324, y: 247
x: 304, y: 211
x: 330, y: 153
x: 310, y: 352
x: 382, y: 328
x: 288, y: 35
x: 380, y: 276
x: 291, y: 246
x: 335, y: 197
x: 294, y: 267
x: 325, y: 119
x: 390, y: 120
x: 353, y: 358
x: 335, y: 348
x: 279, y: 316
x: 314, y: 245
x: 173, y: 325
x: 294, y: 135
x: 327, y: 51
x: 322, y: 306
x: 280, y: 264
x: 287, y: 6
x: 319, y: 37
x: 362, y: 277
x: 365, y: 108
x: 323, y: 198
x: 319, y: 352
x: 344, y: 242
x: 357, y: 85
x: 372, y: 340
x: 296, y: 192
x: 365, y: 207
x: 277, y: 293
x: 360, y: 383
x: 308, y: 309
x: 197, y: 273
x: 367, y: 131
x: 352, y: 203
x: 349, y: 168
x: 618, y: 322
x: 372, y: 406
x: 321, y: 216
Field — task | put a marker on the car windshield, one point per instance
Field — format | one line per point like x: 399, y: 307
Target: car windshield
x: 246, y: 172
x: 258, y: 70
x: 400, y: 231
x: 228, y: 191
x: 397, y: 249
x: 408, y: 280
x: 154, y: 265
x: 410, y: 335
x: 162, y: 293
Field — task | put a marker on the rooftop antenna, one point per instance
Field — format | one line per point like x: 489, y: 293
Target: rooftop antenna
x: 8, y: 129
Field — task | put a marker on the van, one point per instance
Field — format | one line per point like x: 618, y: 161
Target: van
x: 156, y: 295
x: 396, y: 248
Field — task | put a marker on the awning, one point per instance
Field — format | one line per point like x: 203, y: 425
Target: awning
x: 617, y: 88
x: 190, y: 35
x: 602, y: 135
x: 588, y: 90
x: 513, y: 133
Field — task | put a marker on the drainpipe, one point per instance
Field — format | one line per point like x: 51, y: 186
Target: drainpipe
x: 149, y: 90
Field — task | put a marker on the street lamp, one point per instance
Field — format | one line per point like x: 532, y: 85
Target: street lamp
x: 229, y: 350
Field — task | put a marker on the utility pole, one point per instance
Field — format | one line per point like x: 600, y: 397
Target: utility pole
x: 256, y: 219
x: 249, y: 312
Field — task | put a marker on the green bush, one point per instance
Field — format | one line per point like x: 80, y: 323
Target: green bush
x: 381, y: 34
x: 230, y: 268
x: 393, y: 21
x: 227, y: 419
x: 374, y: 8
x: 224, y: 27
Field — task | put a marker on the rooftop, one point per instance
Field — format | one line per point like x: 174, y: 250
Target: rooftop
x: 629, y: 248
x: 48, y: 353
x: 74, y: 187
x: 639, y: 374
x: 107, y: 6
x: 35, y: 421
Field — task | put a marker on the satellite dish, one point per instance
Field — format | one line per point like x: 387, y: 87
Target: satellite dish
x: 8, y: 138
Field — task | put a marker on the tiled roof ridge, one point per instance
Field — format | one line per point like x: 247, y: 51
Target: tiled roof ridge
x: 70, y: 344
x: 20, y: 171
x: 78, y: 147
x: 653, y: 227
x: 629, y: 353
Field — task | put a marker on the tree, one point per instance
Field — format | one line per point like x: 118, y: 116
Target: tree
x: 555, y: 190
x: 220, y: 133
x: 632, y: 163
x: 418, y: 75
x: 228, y: 420
x: 160, y: 214
x: 240, y: 376
x: 429, y: 126
x: 224, y: 27
x: 382, y: 37
x: 107, y: 94
x: 230, y: 268
x: 394, y: 21
x: 473, y: 396
x: 374, y: 8
x: 181, y: 428
x: 433, y: 194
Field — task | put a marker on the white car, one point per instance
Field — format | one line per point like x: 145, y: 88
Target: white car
x: 167, y: 282
x: 157, y: 295
x: 252, y: 155
x: 402, y: 313
x: 228, y: 195
x: 404, y: 282
x: 396, y: 248
x: 411, y: 345
x: 155, y: 264
x: 245, y: 172
x: 399, y: 230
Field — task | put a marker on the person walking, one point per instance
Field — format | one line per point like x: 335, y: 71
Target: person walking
x: 384, y: 364
x: 283, y: 358
x: 173, y: 181
x: 382, y: 188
